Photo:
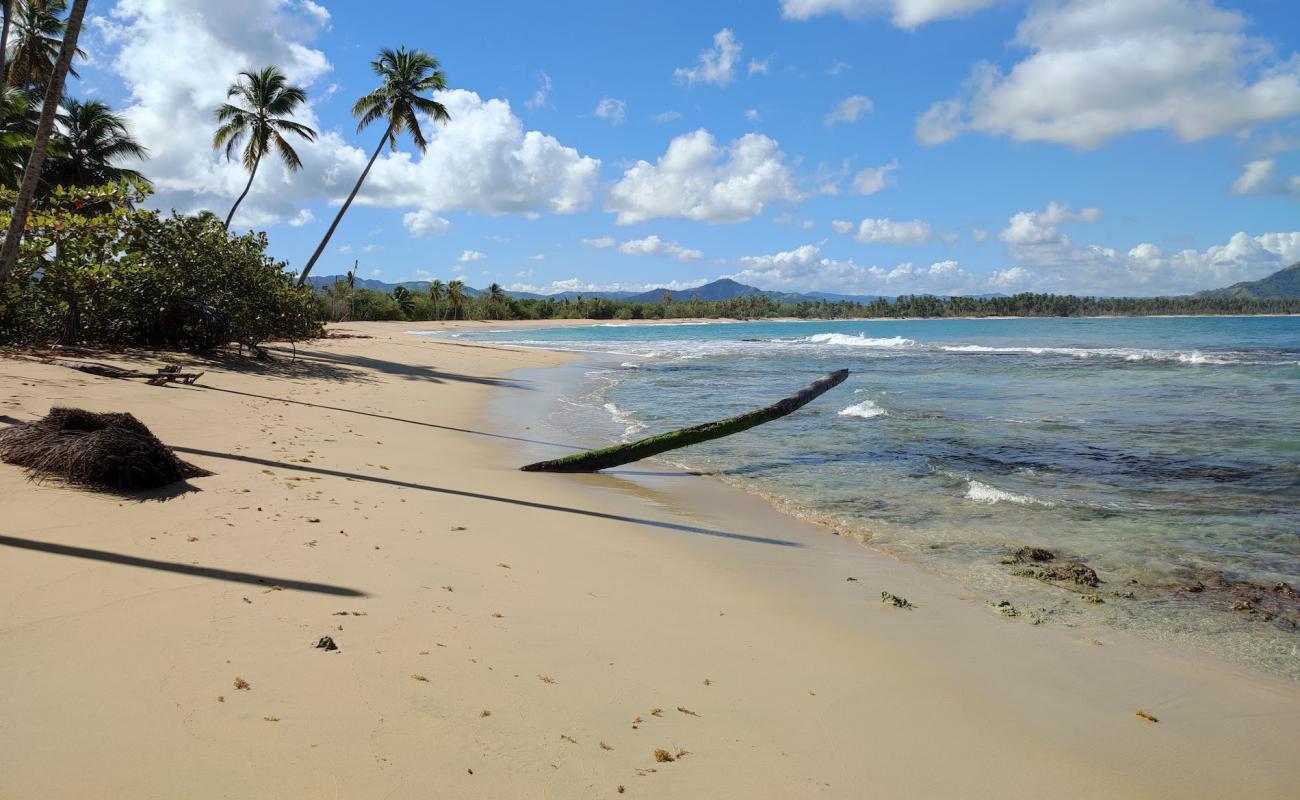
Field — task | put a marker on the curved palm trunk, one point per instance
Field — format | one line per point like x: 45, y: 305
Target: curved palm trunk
x: 4, y: 43
x: 32, y: 174
x: 247, y: 186
x: 302, y: 279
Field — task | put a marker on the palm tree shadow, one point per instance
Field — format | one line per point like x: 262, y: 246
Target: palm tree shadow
x: 672, y: 526
x: 234, y: 576
x: 401, y: 370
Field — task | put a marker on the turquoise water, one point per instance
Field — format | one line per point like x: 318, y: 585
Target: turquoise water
x: 1160, y: 451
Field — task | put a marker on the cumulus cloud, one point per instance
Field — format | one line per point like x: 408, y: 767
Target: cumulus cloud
x: 697, y: 179
x: 850, y: 109
x: 887, y: 231
x: 1262, y: 177
x: 425, y: 223
x: 757, y: 67
x: 1098, y: 69
x: 175, y: 60
x: 467, y: 256
x: 611, y: 109
x: 579, y: 285
x: 873, y: 179
x: 1035, y: 238
x: 303, y: 217
x: 907, y: 14
x: 654, y: 246
x: 603, y: 241
x: 716, y: 65
x: 805, y: 268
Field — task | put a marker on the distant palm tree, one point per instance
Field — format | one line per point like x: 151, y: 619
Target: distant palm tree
x: 495, y: 301
x: 91, y: 139
x: 7, y: 9
x: 437, y: 293
x: 405, y: 76
x: 456, y: 297
x: 405, y: 301
x: 268, y: 103
x: 38, y: 33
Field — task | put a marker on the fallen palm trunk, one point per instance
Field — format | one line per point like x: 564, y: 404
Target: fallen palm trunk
x: 594, y: 460
x: 163, y: 375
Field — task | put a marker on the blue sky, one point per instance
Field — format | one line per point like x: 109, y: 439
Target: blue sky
x: 1143, y: 146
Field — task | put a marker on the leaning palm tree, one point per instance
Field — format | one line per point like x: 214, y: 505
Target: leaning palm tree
x: 456, y: 297
x: 92, y: 138
x: 405, y: 77
x: 437, y: 292
x: 268, y: 102
x: 38, y: 29
x: 40, y: 142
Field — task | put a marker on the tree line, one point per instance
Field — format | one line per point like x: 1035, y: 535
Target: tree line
x: 342, y: 301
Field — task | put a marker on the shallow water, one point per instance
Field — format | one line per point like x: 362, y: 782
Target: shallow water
x: 1149, y: 448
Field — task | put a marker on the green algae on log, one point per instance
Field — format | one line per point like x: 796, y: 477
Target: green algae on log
x: 604, y: 458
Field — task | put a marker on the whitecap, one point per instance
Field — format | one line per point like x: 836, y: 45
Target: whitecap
x: 620, y: 416
x: 867, y: 409
x: 983, y: 493
x: 844, y: 340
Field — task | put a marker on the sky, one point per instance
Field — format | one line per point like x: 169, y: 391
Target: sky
x: 1111, y: 147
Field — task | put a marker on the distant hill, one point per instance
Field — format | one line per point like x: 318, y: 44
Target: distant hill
x: 721, y: 289
x: 1281, y: 285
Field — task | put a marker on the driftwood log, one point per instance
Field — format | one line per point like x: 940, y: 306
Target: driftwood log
x: 604, y: 458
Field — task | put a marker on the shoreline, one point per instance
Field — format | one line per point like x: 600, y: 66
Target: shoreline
x: 628, y: 592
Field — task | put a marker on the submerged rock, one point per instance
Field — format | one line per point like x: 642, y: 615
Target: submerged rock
x: 1027, y: 554
x: 1075, y: 572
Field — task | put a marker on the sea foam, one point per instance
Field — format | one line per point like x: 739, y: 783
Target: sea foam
x: 983, y: 493
x: 844, y: 340
x: 867, y: 409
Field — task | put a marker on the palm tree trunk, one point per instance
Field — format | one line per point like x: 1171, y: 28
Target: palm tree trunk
x: 302, y: 279
x: 32, y: 174
x: 247, y: 186
x: 4, y: 43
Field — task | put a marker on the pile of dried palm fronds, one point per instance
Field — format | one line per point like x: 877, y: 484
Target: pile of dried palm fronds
x: 102, y: 451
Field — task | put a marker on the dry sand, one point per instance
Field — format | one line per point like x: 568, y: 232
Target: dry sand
x: 500, y: 633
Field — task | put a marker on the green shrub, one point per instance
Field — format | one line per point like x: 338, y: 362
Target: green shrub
x: 95, y: 269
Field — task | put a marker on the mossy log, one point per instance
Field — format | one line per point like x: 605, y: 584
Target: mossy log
x: 594, y: 460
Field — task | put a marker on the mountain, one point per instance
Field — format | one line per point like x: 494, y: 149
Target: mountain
x: 1281, y: 285
x: 721, y: 289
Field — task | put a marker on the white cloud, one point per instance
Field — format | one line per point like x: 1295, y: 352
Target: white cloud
x: 1261, y: 177
x: 805, y: 268
x: 752, y: 114
x: 887, y: 231
x: 873, y: 179
x: 425, y: 223
x: 979, y: 234
x: 579, y: 285
x: 303, y: 217
x: 850, y: 109
x: 716, y: 65
x: 467, y: 256
x: 654, y: 246
x: 372, y: 248
x: 176, y: 58
x: 602, y: 242
x: 1033, y: 236
x: 1099, y: 69
x: 524, y: 273
x: 698, y: 180
x: 907, y: 14
x: 757, y: 67
x: 543, y: 91
x: 318, y: 12
x: 611, y: 109
x: 537, y: 257
x: 838, y: 66
x: 667, y: 116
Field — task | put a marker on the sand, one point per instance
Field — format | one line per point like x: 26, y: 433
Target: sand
x: 501, y: 633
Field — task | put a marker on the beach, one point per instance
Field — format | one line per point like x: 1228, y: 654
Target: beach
x: 508, y: 634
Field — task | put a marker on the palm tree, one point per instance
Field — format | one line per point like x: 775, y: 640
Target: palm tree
x: 92, y: 137
x: 456, y: 297
x: 7, y: 8
x: 495, y: 298
x: 404, y: 300
x: 268, y: 102
x: 17, y: 126
x: 437, y: 292
x: 39, y: 28
x: 41, y: 142
x: 405, y: 76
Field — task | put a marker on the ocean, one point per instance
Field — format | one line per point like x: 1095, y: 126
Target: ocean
x: 1162, y: 452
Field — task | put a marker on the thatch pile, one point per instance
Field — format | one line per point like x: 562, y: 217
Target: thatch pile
x: 115, y: 452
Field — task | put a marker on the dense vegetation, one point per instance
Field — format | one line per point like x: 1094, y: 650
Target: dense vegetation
x: 341, y: 302
x: 95, y: 268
